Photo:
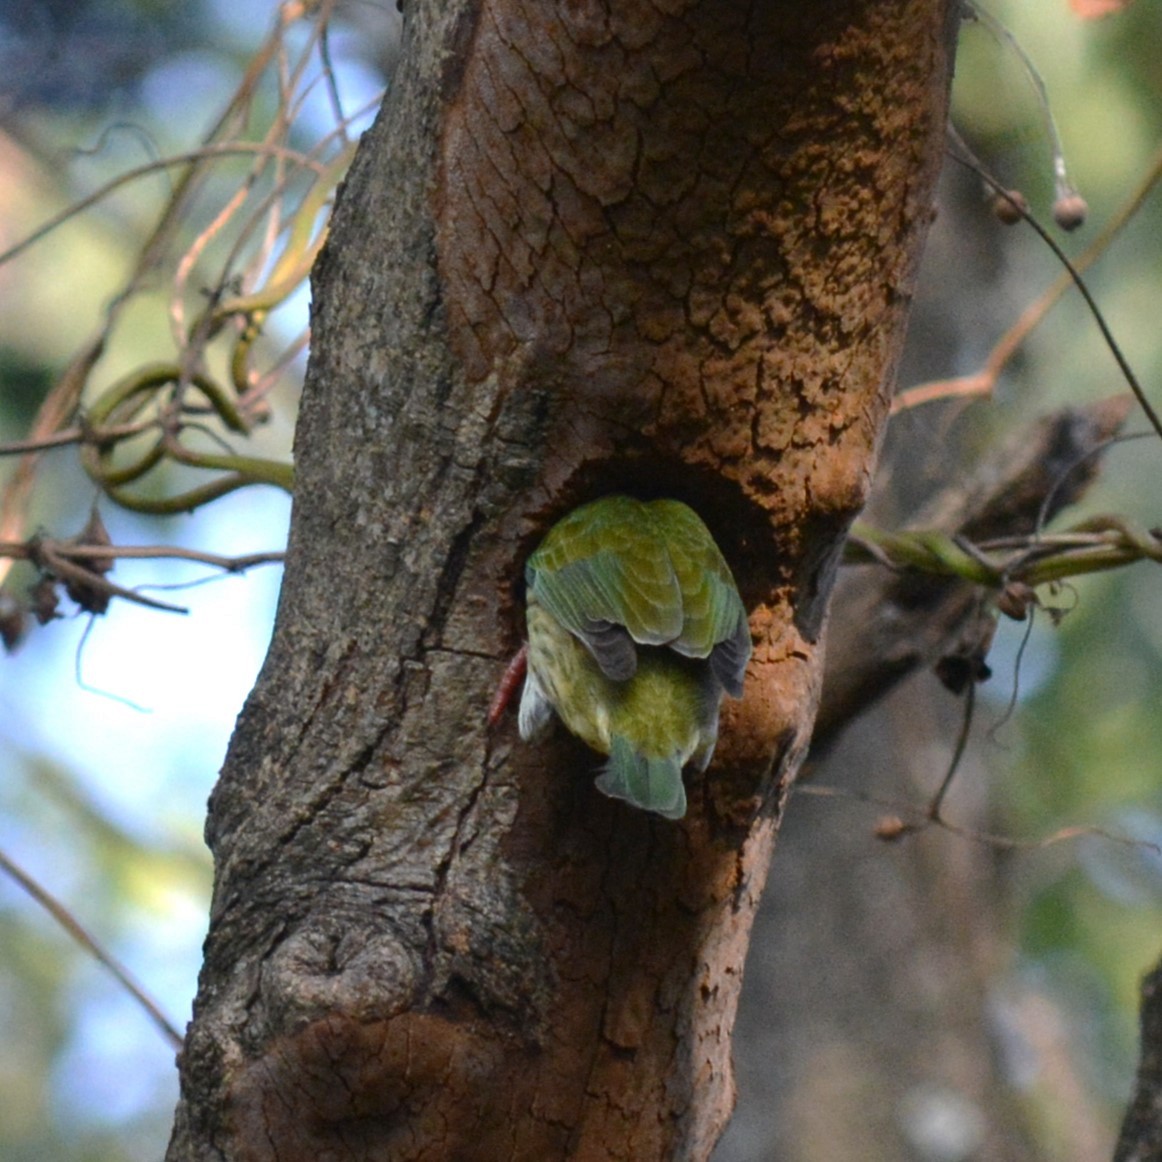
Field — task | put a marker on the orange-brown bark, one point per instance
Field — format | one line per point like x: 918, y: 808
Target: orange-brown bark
x: 590, y: 245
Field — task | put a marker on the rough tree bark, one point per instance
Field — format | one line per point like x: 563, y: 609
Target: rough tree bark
x: 588, y: 246
x: 1140, y: 1139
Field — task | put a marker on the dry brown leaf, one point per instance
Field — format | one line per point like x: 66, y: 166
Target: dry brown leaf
x: 1096, y: 9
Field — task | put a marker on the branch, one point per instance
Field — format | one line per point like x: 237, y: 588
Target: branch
x: 886, y: 625
x: 81, y: 563
x: 69, y: 923
x: 982, y: 382
x: 1093, y: 546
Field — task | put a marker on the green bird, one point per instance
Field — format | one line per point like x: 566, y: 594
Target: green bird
x: 635, y: 630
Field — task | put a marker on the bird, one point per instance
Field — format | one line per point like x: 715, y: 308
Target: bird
x: 635, y: 631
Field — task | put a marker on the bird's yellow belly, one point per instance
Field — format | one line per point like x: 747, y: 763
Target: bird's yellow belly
x: 662, y: 710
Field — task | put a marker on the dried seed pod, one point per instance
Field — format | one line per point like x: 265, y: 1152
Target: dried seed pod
x: 1015, y: 599
x: 1070, y: 210
x: 93, y: 598
x: 1009, y: 207
x: 892, y: 827
x: 45, y: 600
x: 13, y: 622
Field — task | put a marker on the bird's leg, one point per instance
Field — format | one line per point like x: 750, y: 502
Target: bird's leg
x: 508, y: 685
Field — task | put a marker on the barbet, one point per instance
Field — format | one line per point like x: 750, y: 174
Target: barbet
x: 636, y: 630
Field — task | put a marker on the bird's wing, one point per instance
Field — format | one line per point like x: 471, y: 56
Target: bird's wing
x: 714, y: 622
x: 604, y: 573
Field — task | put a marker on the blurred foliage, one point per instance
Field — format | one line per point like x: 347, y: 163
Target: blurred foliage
x: 1084, y: 746
x: 93, y: 89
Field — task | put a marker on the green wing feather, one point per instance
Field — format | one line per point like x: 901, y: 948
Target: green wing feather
x: 711, y: 605
x: 604, y: 562
x: 651, y: 568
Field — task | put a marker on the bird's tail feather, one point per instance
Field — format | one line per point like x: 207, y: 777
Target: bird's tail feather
x: 654, y: 784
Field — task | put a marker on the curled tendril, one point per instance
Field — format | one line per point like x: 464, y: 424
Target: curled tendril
x: 168, y: 389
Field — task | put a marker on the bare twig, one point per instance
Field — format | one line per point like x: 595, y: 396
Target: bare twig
x: 982, y: 382
x: 911, y: 819
x: 226, y: 149
x: 81, y: 565
x: 886, y: 625
x: 69, y: 923
x: 80, y: 434
x: 24, y: 551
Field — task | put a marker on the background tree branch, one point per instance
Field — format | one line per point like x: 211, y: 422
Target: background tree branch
x: 885, y: 626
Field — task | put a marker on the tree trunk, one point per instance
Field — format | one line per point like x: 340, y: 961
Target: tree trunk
x: 1140, y: 1139
x: 663, y: 248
